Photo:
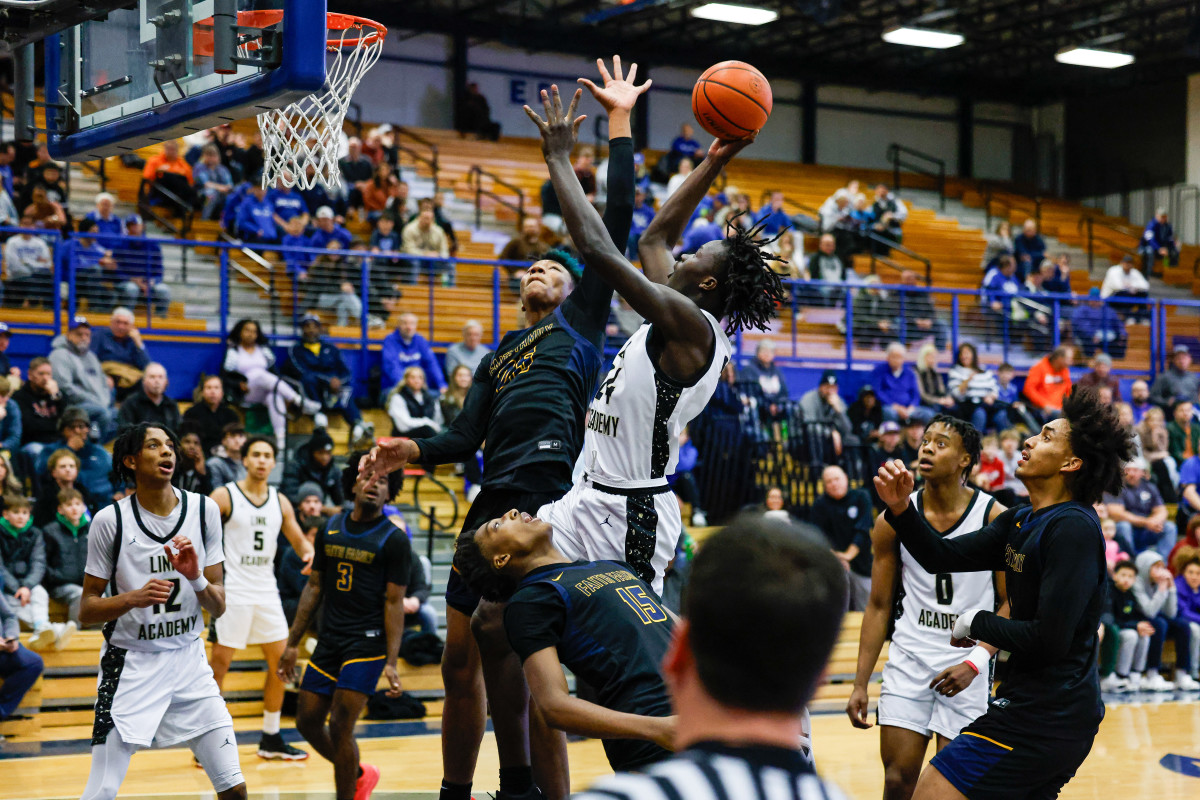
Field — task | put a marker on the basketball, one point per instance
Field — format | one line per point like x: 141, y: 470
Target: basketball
x: 731, y: 100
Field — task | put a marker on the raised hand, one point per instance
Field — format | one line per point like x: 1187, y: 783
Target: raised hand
x: 387, y: 456
x: 723, y: 150
x: 894, y: 483
x: 619, y: 93
x: 183, y: 557
x: 559, y: 130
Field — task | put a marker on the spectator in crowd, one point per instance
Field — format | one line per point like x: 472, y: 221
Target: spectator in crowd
x: 41, y: 403
x: 526, y: 246
x: 286, y: 204
x: 213, y: 182
x: 28, y: 267
x: 1059, y: 282
x: 999, y: 243
x: 1029, y: 249
x: 93, y: 266
x: 1049, y: 382
x: 888, y: 213
x: 151, y: 404
x: 9, y: 217
x: 1101, y: 375
x: 50, y: 180
x: 355, y: 167
x: 404, y: 348
x: 1124, y: 281
x: 7, y: 179
x: 81, y: 378
x: 1189, y: 492
x: 191, y: 473
x: 210, y: 413
x: 121, y: 351
x: 225, y: 464
x: 1153, y: 442
x: 249, y: 361
x: 766, y: 375
x: 874, y: 315
x: 684, y: 168
x: 44, y: 212
x: 6, y: 367
x: 373, y: 195
x: 1156, y: 597
x: 456, y: 392
x: 974, y: 388
x: 475, y: 115
x: 22, y: 567
x: 1183, y: 432
x: 324, y: 374
x: 106, y: 219
x: 1187, y: 591
x: 1009, y: 395
x: 1158, y: 243
x: 1097, y: 326
x: 9, y: 482
x: 772, y: 216
x: 827, y: 265
x: 865, y: 413
x: 422, y: 237
x: 95, y: 463
x: 685, y: 145
x: 897, y: 387
x: 10, y: 419
x: 329, y: 235
x: 255, y: 221
x: 1139, y: 399
x: 773, y: 505
x: 989, y: 475
x: 61, y: 473
x: 470, y: 351
x: 418, y: 611
x: 1124, y: 620
x: 701, y: 231
x: 319, y: 195
x: 890, y: 446
x: 19, y: 667
x: 398, y: 204
x: 825, y: 406
x: 414, y: 410
x: 1176, y: 382
x: 845, y: 517
x: 920, y: 317
x: 66, y: 555
x: 233, y: 202
x: 167, y: 171
x: 930, y: 383
x: 1140, y: 513
x: 313, y: 465
x: 1013, y: 492
x: 643, y: 215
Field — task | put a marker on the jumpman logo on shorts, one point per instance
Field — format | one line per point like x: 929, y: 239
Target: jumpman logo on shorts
x: 606, y: 522
x: 227, y: 742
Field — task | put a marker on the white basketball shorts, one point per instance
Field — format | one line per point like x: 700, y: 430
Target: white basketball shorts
x: 906, y: 701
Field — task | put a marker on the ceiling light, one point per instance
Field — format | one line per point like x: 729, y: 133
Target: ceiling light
x: 742, y: 15
x: 922, y: 37
x: 1091, y: 57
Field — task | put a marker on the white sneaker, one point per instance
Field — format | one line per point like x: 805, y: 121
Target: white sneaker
x: 1134, y: 682
x: 1114, y: 683
x: 320, y: 420
x: 699, y: 519
x: 42, y: 640
x: 311, y: 407
x: 1185, y: 682
x: 63, y: 634
x: 1157, y: 683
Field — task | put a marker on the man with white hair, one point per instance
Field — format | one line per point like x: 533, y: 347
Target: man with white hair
x: 896, y: 386
x: 121, y: 351
x: 151, y: 404
x: 470, y: 351
x: 355, y: 167
x: 844, y: 516
x: 106, y: 219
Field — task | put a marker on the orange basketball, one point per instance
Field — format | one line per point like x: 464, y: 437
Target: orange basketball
x: 731, y: 100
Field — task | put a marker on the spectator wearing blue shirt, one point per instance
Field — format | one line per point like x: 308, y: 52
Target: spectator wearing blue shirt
x: 140, y: 271
x: 93, y: 266
x: 296, y: 261
x: 385, y: 293
x: 1098, y: 327
x: 213, y: 181
x: 256, y: 218
x: 702, y: 231
x: 287, y: 203
x: 328, y: 230
x: 107, y: 221
x: 1029, y: 249
x: 643, y: 215
x: 772, y: 216
x: 1060, y: 281
x: 685, y: 145
x: 319, y: 196
x: 404, y: 348
x: 120, y: 349
x: 323, y: 373
x: 233, y: 201
x: 1189, y: 491
x: 897, y: 388
x: 1000, y: 286
x: 1158, y: 242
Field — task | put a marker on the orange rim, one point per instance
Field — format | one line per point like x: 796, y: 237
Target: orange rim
x: 374, y: 32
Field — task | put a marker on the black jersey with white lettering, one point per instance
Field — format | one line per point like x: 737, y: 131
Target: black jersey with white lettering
x: 610, y: 630
x: 357, y: 560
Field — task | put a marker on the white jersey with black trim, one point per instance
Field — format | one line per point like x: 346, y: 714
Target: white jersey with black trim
x: 634, y: 421
x: 125, y: 548
x: 251, y: 539
x: 928, y: 603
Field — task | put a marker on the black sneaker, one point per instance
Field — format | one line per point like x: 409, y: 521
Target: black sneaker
x: 274, y: 748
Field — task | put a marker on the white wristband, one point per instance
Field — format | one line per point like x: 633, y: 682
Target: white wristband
x: 978, y: 658
x: 199, y: 584
x: 962, y: 625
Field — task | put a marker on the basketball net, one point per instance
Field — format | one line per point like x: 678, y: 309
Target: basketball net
x: 300, y: 142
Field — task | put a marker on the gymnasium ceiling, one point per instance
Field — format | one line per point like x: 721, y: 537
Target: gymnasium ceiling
x: 1008, y: 55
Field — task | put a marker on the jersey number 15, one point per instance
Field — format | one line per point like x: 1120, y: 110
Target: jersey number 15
x: 642, y: 604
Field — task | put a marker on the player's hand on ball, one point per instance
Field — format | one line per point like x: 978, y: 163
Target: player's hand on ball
x: 950, y: 682
x: 723, y: 150
x: 559, y: 130
x: 856, y: 708
x: 155, y: 592
x: 287, y: 665
x: 619, y: 93
x: 183, y: 557
x: 894, y: 483
x: 393, y: 679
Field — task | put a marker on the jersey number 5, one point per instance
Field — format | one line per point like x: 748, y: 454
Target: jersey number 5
x: 171, y: 606
x: 258, y: 539
x: 943, y: 584
x: 647, y: 610
x: 345, y: 577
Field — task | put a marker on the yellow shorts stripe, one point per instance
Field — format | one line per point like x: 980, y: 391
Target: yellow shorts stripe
x: 311, y: 665
x: 358, y: 660
x: 986, y: 739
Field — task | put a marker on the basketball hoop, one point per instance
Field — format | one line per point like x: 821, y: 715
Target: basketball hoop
x: 300, y: 142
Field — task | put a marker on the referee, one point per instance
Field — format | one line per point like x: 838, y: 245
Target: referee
x: 741, y: 672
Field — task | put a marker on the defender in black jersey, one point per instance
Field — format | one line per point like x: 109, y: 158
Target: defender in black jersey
x: 360, y: 571
x: 527, y: 402
x: 1041, y: 725
x: 598, y: 618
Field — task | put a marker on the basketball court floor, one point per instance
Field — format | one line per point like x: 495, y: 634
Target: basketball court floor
x: 1145, y: 751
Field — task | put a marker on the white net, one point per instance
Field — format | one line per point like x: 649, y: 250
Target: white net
x: 300, y: 141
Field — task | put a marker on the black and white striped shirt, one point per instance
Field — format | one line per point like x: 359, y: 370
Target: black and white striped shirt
x: 715, y: 771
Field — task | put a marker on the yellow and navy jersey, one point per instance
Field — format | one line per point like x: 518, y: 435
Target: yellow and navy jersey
x: 610, y: 630
x: 357, y: 560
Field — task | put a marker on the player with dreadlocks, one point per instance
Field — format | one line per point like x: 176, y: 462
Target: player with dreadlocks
x: 1041, y: 725
x: 930, y: 687
x: 622, y: 508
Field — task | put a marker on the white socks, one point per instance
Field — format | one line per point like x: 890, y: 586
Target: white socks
x: 271, y: 721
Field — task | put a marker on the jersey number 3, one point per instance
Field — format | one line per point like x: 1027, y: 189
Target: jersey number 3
x: 345, y: 577
x: 647, y: 610
x: 943, y: 584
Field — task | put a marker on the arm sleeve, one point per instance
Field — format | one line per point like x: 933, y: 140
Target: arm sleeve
x: 1072, y: 559
x: 214, y: 551
x: 534, y: 620
x: 588, y: 305
x: 981, y: 551
x: 398, y: 552
x: 460, y: 441
x: 100, y: 543
x: 318, y: 562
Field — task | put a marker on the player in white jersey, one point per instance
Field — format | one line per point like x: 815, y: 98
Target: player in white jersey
x: 159, y: 550
x: 667, y: 371
x: 930, y: 686
x: 254, y: 514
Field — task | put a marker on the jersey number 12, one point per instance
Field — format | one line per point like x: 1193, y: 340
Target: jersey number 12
x: 171, y: 606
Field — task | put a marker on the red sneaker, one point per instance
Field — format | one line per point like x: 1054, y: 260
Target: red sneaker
x: 366, y: 782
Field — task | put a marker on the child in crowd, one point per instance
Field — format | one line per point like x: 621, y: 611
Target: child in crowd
x: 66, y: 539
x: 1013, y: 492
x: 1127, y: 630
x: 1114, y: 552
x: 990, y: 475
x: 62, y: 473
x: 1156, y: 597
x: 22, y: 567
x: 1187, y: 589
x: 225, y: 465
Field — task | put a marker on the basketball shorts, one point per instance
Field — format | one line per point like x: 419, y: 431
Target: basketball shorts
x: 241, y: 626
x: 343, y: 663
x: 159, y: 697
x: 988, y: 762
x: 906, y: 701
x: 489, y: 504
x: 641, y: 527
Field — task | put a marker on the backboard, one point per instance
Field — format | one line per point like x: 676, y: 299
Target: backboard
x: 149, y: 72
